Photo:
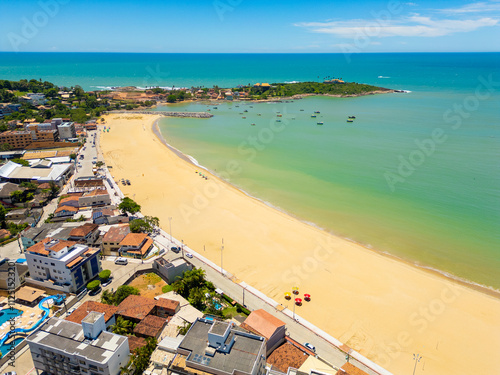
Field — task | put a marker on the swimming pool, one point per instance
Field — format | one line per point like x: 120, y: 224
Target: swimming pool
x: 7, y: 314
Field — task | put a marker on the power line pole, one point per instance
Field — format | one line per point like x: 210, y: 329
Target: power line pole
x: 221, y: 251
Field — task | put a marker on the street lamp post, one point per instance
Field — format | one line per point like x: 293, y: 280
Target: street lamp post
x: 221, y: 251
x: 170, y: 223
x: 182, y: 248
x: 416, y: 358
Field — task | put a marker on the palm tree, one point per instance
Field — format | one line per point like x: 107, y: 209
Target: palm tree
x: 107, y: 297
x: 122, y: 326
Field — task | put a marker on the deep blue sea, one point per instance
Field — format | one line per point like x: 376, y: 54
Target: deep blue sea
x: 377, y: 181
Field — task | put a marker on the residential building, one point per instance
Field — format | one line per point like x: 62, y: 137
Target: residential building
x: 59, y: 231
x: 150, y: 326
x: 62, y: 265
x: 11, y: 154
x: 96, y: 197
x: 19, y: 271
x: 136, y: 308
x: 87, y: 307
x: 135, y: 245
x: 4, y: 234
x: 87, y: 233
x: 6, y: 189
x: 16, y: 139
x: 39, y: 173
x: 88, y: 183
x: 71, y: 201
x: 171, y: 270
x: 61, y: 347
x: 67, y: 130
x: 29, y: 296
x: 109, y: 216
x: 111, y: 240
x: 65, y: 212
x: 267, y: 325
x: 56, y: 121
x: 219, y: 348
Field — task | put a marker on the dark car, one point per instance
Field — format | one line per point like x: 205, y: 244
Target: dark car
x: 107, y: 282
x: 175, y: 249
x: 95, y: 292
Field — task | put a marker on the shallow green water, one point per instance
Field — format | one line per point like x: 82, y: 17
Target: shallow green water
x: 444, y: 214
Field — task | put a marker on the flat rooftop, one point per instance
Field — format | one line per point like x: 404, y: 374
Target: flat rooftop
x: 67, y: 337
x: 242, y: 357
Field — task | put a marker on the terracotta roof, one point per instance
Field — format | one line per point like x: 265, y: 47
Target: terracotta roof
x: 287, y: 355
x: 43, y: 186
x: 144, y: 248
x: 58, y: 246
x: 350, y: 369
x: 135, y: 342
x: 66, y: 208
x: 96, y: 192
x: 74, y: 261
x: 4, y: 233
x: 133, y: 239
x: 168, y: 304
x: 136, y: 307
x: 116, y: 233
x: 150, y: 326
x: 68, y: 199
x: 83, y: 230
x: 89, y: 306
x: 262, y: 323
x: 27, y: 293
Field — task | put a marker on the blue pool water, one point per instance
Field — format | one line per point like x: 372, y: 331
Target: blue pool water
x: 7, y: 314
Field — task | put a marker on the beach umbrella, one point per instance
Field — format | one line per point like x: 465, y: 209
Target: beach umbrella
x: 288, y: 295
x: 295, y: 290
x: 307, y: 297
x: 298, y: 301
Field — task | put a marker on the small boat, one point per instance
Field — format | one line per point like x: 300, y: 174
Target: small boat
x: 302, y: 110
x: 313, y: 116
x: 319, y: 123
x: 351, y: 116
x: 350, y: 120
x: 278, y: 120
x: 245, y: 110
x: 253, y: 124
x: 243, y: 117
x: 317, y: 112
x: 251, y: 106
x: 215, y: 107
x: 258, y: 114
x: 279, y: 115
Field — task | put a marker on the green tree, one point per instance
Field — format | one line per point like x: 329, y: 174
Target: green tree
x: 93, y: 285
x: 171, y: 98
x: 107, y: 297
x: 17, y: 195
x: 122, y: 326
x: 3, y: 212
x: 182, y: 330
x: 5, y: 147
x: 123, y: 292
x: 99, y: 164
x: 54, y: 189
x: 23, y: 162
x: 143, y: 356
x: 104, y: 275
x: 128, y: 205
x: 72, y: 156
x: 29, y: 185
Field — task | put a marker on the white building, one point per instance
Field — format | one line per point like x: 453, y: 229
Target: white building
x: 44, y: 171
x: 62, y: 265
x: 34, y: 98
x: 97, y: 197
x: 61, y: 347
x: 66, y: 130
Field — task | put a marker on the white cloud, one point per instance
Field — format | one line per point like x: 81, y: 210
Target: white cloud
x: 409, y: 27
x: 480, y: 7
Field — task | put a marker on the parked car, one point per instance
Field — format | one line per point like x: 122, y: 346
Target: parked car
x: 70, y: 311
x: 162, y: 251
x: 82, y: 294
x: 107, y: 282
x: 10, y: 373
x: 121, y: 261
x: 175, y: 249
x: 95, y: 292
x: 189, y: 255
x: 310, y: 347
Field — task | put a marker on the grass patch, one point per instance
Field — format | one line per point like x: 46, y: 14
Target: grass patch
x: 152, y: 278
x: 167, y: 288
x: 229, y: 312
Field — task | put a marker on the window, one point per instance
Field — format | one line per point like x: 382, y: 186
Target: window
x: 82, y: 362
x: 52, y: 264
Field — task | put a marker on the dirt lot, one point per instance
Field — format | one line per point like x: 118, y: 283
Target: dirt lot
x: 149, y: 285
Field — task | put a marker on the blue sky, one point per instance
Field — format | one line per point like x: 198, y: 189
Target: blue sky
x: 249, y: 26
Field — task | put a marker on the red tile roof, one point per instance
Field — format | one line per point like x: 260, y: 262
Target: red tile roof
x: 39, y: 248
x: 287, y: 355
x: 116, y: 233
x: 66, y: 208
x: 262, y: 323
x: 74, y: 262
x: 88, y: 307
x: 133, y: 239
x: 135, y: 342
x: 138, y: 307
x: 350, y: 369
x: 83, y: 230
x: 150, y: 326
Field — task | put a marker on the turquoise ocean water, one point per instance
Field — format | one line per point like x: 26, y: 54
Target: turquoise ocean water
x: 416, y: 175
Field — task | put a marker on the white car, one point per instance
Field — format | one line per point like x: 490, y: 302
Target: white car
x: 189, y: 255
x: 310, y: 347
x: 70, y: 311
